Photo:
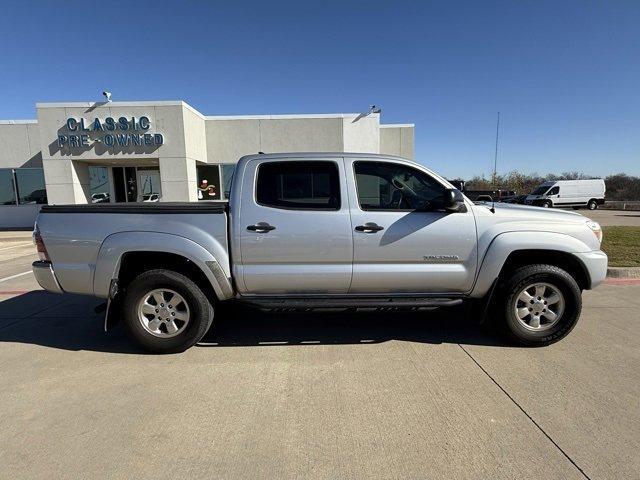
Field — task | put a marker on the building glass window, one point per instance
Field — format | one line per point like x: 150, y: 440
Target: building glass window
x: 227, y: 177
x: 99, y: 184
x: 149, y: 184
x: 208, y: 182
x: 30, y: 186
x: 7, y: 193
x: 299, y: 185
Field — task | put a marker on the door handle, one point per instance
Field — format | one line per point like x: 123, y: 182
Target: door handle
x: 369, y: 227
x: 261, y: 227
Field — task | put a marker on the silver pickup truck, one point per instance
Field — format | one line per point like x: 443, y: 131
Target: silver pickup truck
x: 323, y: 230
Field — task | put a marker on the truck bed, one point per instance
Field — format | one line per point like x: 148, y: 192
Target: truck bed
x: 83, y: 239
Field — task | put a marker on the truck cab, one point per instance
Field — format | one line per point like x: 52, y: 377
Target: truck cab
x: 362, y: 225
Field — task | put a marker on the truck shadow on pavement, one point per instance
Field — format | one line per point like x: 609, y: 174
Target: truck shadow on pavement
x: 68, y: 322
x: 242, y: 326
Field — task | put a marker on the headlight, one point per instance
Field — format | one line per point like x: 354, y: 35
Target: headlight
x: 596, y: 229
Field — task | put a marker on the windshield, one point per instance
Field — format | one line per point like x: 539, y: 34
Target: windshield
x: 540, y: 190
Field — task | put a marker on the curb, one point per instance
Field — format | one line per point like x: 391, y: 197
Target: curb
x: 623, y: 272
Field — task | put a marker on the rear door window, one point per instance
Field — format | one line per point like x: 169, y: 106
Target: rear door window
x: 299, y: 185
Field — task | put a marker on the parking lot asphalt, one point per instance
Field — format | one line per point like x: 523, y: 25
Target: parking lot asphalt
x: 322, y: 395
x: 608, y: 218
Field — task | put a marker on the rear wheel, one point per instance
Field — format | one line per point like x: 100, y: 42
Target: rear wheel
x: 540, y: 305
x: 165, y: 312
x: 592, y: 205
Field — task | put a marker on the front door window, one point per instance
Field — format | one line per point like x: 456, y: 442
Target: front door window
x: 391, y: 186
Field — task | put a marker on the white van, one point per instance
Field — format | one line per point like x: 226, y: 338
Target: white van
x: 568, y: 193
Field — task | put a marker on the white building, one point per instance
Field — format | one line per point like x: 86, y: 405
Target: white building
x: 88, y: 152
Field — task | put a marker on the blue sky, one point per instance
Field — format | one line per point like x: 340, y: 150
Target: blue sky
x: 564, y: 75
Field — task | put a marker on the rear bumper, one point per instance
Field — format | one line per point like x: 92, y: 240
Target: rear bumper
x: 43, y: 271
x: 596, y: 264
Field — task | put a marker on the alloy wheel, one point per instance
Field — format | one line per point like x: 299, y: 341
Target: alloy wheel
x: 163, y: 313
x: 539, y: 306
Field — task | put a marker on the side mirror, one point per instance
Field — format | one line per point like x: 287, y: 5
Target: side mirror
x: 454, y: 201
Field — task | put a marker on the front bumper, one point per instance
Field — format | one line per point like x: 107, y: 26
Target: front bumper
x: 43, y: 271
x: 596, y: 264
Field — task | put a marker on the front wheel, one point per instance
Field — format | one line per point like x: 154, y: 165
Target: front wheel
x: 166, y: 312
x: 547, y: 204
x: 541, y: 305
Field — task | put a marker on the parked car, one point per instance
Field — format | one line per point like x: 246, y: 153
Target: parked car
x: 322, y: 230
x: 487, y: 195
x: 100, y: 198
x: 37, y: 196
x: 518, y: 199
x: 569, y: 193
x: 151, y: 197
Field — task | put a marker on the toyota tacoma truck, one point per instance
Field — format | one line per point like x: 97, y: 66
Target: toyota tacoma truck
x: 322, y: 230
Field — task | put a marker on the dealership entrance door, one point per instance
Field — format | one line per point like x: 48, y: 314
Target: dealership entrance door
x: 125, y: 184
x: 125, y: 187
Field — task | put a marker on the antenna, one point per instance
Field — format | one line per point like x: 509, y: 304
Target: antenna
x: 495, y: 166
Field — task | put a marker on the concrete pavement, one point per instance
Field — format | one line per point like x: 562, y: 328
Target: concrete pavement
x: 608, y: 218
x: 323, y: 395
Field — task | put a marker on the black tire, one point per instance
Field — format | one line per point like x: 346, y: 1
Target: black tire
x: 511, y: 325
x: 547, y: 204
x: 592, y: 204
x: 200, y: 311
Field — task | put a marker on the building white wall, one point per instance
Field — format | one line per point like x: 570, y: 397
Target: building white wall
x: 361, y: 134
x: 194, y: 134
x: 397, y: 140
x: 230, y: 138
x: 66, y: 169
x: 301, y: 135
x: 19, y: 144
x: 18, y: 217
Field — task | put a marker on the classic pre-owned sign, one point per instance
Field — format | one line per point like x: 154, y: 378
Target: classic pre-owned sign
x: 120, y: 132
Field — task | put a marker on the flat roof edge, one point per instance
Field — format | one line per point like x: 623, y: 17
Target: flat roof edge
x: 283, y: 117
x: 112, y: 104
x: 17, y: 122
x: 398, y: 125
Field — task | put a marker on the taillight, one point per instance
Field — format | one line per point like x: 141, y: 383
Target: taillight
x: 37, y: 241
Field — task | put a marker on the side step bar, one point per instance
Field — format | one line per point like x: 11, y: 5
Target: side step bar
x: 354, y: 302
